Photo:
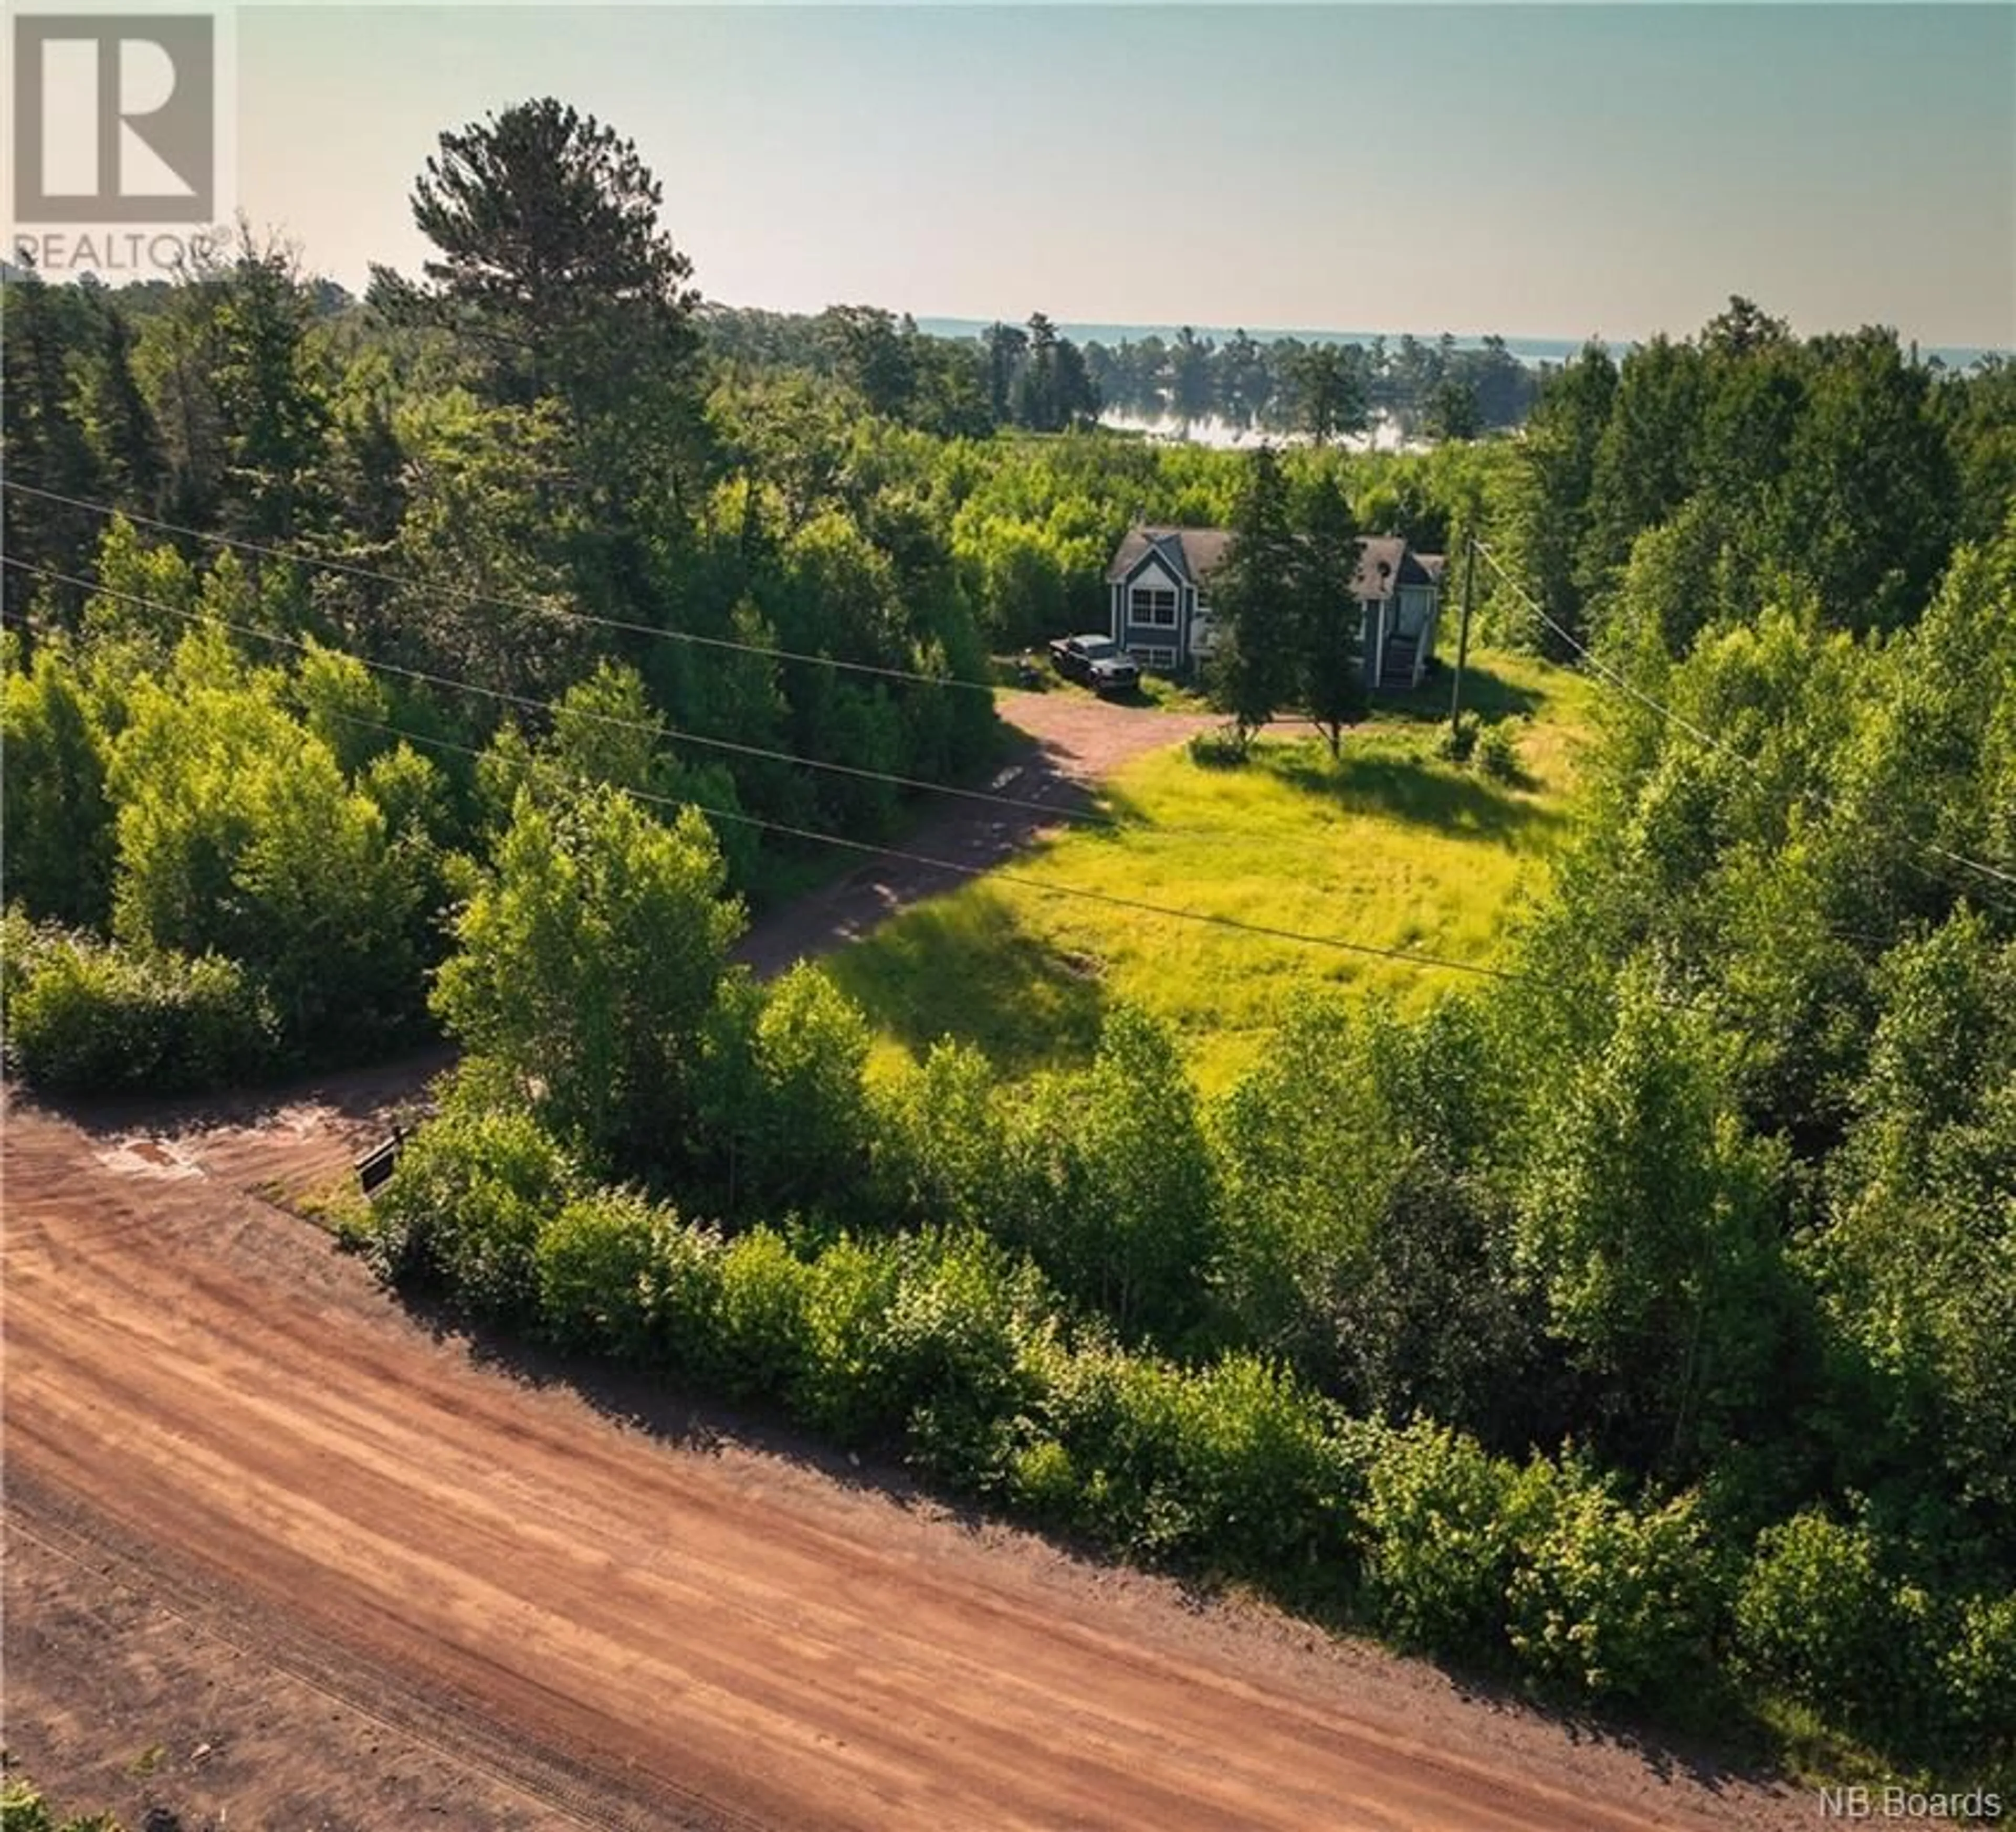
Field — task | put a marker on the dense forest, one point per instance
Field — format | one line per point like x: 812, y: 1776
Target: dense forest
x: 472, y: 657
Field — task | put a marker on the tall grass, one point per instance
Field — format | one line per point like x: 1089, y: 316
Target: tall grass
x: 1388, y: 845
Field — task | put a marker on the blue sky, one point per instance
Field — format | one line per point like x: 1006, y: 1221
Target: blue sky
x: 1537, y: 171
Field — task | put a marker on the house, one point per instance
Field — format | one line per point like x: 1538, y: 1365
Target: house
x: 1159, y: 588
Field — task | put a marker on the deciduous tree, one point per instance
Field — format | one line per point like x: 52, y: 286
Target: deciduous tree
x: 585, y: 965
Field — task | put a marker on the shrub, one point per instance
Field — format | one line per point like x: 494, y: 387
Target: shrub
x: 1217, y: 750
x: 88, y: 1016
x: 1497, y: 753
x: 1817, y: 1618
x: 957, y: 1336
x: 1612, y: 1599
x: 687, y: 1297
x: 23, y: 1809
x: 1139, y: 1502
x: 1255, y: 1467
x: 1107, y: 1412
x: 1232, y: 1461
x: 844, y: 1384
x: 1443, y: 1524
x: 1043, y: 1480
x: 1460, y: 739
x: 919, y: 1338
x: 1978, y: 1679
x: 759, y: 1344
x: 598, y: 1263
x: 465, y: 1210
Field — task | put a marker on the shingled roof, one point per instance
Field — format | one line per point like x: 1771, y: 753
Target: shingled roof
x: 1384, y: 561
x: 1192, y: 554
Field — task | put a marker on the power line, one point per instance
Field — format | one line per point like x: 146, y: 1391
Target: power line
x: 1602, y: 670
x: 528, y: 703
x: 1595, y: 663
x: 1111, y: 900
x: 1050, y: 812
x: 993, y: 875
x: 469, y: 594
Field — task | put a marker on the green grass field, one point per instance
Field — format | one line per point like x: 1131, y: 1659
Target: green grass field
x: 1389, y: 845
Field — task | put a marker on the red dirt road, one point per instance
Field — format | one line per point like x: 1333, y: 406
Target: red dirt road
x: 219, y: 1422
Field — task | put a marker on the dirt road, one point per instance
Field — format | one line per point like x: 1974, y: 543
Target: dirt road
x: 280, y: 1552
x: 1069, y: 741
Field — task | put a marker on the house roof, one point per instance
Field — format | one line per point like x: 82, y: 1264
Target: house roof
x: 1384, y: 561
x: 1192, y: 554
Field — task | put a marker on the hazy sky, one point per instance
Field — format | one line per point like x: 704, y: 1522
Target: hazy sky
x: 1536, y: 170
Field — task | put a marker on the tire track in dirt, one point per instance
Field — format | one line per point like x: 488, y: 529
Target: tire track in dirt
x: 44, y: 1520
x: 637, y: 1635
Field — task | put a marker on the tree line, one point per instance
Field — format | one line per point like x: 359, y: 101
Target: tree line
x: 1033, y: 377
x: 1839, y: 463
x: 1320, y: 388
x: 1029, y: 376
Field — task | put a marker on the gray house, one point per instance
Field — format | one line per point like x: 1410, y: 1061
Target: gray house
x: 1159, y: 587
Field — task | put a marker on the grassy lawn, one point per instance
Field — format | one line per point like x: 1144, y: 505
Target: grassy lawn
x: 1388, y: 845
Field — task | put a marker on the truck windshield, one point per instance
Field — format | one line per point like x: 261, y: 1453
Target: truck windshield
x: 1097, y: 649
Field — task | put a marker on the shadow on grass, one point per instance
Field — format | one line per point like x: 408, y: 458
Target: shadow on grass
x: 966, y: 968
x: 1485, y: 693
x: 1409, y: 788
x: 950, y: 839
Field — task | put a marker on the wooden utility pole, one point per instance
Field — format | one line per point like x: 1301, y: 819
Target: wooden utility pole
x: 1463, y: 639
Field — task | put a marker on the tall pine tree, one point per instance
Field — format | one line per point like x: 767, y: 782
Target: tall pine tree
x: 1252, y: 672
x: 1330, y: 683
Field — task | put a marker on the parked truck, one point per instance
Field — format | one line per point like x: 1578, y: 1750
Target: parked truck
x: 1099, y: 662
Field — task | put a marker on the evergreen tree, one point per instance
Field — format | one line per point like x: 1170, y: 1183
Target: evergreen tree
x: 121, y: 422
x: 1254, y: 598
x: 1329, y: 682
x: 46, y: 446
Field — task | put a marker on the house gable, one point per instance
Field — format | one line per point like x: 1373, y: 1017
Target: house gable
x: 1152, y: 569
x: 1152, y: 605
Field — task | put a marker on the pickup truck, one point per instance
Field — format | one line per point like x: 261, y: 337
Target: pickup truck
x: 1098, y: 661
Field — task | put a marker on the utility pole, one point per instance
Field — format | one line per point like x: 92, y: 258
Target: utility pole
x: 1463, y: 639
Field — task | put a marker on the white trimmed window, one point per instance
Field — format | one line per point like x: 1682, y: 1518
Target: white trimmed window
x: 1151, y: 656
x: 1153, y: 607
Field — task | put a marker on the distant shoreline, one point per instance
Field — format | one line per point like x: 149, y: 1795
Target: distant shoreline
x: 1531, y: 351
